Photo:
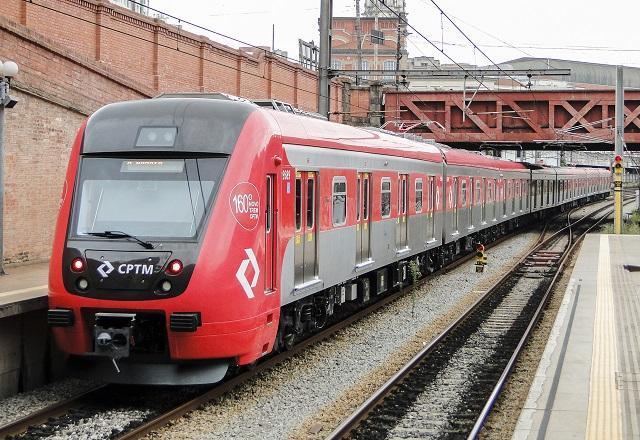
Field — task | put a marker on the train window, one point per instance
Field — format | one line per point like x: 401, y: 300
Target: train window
x: 148, y: 197
x: 547, y: 190
x: 403, y: 196
x: 339, y: 201
x: 365, y: 195
x: 418, y: 195
x: 477, y: 197
x: 385, y: 197
x: 432, y: 195
x: 520, y: 193
x: 269, y: 202
x: 358, y: 199
x: 463, y: 192
x: 311, y: 186
x: 298, y: 203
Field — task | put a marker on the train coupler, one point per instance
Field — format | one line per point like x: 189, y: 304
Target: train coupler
x: 112, y: 336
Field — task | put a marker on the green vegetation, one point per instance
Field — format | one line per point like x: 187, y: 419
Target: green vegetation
x: 631, y: 226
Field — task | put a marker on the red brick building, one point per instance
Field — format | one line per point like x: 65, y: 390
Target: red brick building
x: 344, y: 45
x: 78, y: 55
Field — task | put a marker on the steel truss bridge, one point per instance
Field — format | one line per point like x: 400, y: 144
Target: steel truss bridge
x: 508, y: 120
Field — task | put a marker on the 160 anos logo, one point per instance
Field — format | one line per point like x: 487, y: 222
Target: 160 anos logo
x: 124, y: 269
x: 244, y: 202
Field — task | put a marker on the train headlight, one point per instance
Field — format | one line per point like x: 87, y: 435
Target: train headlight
x: 82, y: 283
x: 165, y: 286
x: 174, y: 267
x: 77, y: 265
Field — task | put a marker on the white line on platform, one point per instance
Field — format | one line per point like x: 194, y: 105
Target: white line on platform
x: 19, y: 291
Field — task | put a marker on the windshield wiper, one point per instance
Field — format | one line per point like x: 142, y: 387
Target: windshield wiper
x: 120, y: 234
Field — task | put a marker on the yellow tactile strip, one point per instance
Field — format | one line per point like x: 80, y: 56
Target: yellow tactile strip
x: 603, y: 416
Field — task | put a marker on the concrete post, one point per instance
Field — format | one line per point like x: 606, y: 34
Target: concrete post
x: 375, y: 104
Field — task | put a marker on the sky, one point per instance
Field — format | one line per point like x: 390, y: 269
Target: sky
x: 568, y: 29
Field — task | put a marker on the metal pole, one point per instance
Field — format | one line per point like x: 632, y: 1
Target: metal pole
x: 618, y: 177
x: 358, y: 41
x: 375, y: 46
x: 325, y: 57
x: 3, y: 95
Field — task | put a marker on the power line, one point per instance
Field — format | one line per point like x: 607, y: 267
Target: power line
x: 315, y: 93
x: 470, y: 40
x: 479, y: 80
x: 180, y: 21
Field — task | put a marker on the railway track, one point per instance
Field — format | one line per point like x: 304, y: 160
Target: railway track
x: 448, y: 389
x: 47, y: 420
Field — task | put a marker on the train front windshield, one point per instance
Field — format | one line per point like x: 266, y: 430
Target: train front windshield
x: 156, y: 198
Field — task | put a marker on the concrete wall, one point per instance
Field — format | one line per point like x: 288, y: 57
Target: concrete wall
x: 29, y: 358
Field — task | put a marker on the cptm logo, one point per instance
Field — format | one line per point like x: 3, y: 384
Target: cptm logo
x: 241, y: 273
x: 124, y: 269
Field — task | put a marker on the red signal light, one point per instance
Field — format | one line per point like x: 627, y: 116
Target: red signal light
x: 480, y: 247
x: 77, y: 265
x: 174, y: 267
x: 618, y: 159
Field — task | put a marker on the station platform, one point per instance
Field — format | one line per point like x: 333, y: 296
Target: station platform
x: 23, y: 289
x: 588, y: 381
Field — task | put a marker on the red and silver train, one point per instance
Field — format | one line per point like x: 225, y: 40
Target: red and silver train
x: 199, y: 234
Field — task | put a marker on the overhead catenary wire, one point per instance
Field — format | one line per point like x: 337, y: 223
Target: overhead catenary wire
x: 206, y: 29
x: 177, y: 49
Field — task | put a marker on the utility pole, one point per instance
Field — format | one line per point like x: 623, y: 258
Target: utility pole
x: 358, y: 41
x: 618, y: 168
x: 326, y: 7
x: 8, y: 69
x: 375, y: 46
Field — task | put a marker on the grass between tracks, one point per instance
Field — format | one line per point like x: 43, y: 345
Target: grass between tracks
x: 631, y: 226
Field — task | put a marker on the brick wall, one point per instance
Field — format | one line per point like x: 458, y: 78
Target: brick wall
x: 159, y: 56
x: 95, y: 53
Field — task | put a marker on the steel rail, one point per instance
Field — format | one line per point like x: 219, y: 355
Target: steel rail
x: 36, y: 418
x: 165, y: 418
x: 495, y: 394
x: 60, y: 408
x: 378, y: 396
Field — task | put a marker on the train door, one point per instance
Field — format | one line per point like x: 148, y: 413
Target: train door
x: 494, y: 199
x: 363, y: 215
x: 472, y: 199
x: 454, y: 205
x: 403, y: 203
x: 505, y: 195
x: 305, y: 225
x: 270, y: 228
x: 431, y: 206
x: 483, y: 211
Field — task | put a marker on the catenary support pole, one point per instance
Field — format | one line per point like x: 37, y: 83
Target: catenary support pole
x: 325, y: 57
x: 618, y: 176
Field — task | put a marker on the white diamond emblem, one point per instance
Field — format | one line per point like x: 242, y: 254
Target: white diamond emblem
x: 105, y: 269
x: 241, y: 273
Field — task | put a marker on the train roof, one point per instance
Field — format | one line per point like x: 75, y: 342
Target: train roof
x: 202, y: 117
x: 300, y: 130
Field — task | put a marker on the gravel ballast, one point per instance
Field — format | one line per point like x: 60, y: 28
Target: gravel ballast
x: 309, y: 394
x: 23, y: 404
